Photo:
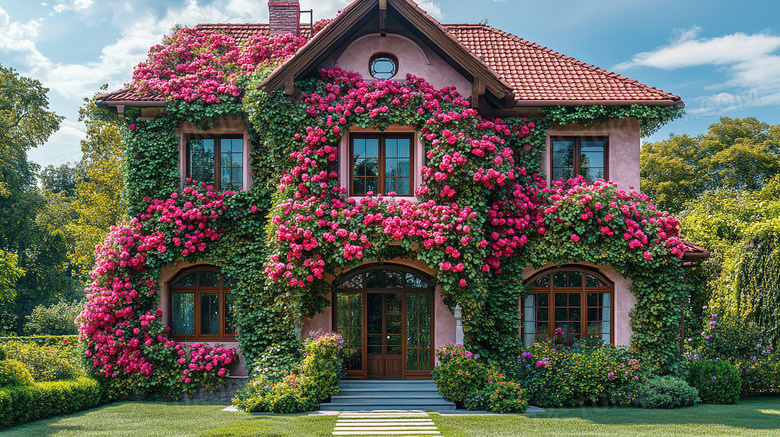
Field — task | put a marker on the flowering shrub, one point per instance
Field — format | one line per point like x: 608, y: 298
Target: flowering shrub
x: 13, y: 372
x: 460, y: 375
x: 717, y: 381
x: 451, y: 351
x: 506, y: 397
x: 555, y: 376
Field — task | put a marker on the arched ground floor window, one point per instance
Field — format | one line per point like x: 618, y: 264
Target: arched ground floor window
x: 575, y: 300
x: 201, y: 305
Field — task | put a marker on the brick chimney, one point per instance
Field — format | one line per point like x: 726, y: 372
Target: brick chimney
x: 284, y: 17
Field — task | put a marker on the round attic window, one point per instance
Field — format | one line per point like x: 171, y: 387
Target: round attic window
x: 383, y: 66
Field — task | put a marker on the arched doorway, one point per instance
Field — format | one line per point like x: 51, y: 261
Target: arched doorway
x: 385, y: 315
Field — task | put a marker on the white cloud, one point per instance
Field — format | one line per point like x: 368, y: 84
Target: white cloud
x: 748, y: 61
x: 687, y: 50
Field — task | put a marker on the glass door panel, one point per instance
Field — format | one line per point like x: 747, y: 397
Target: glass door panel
x: 349, y: 323
x: 418, y: 332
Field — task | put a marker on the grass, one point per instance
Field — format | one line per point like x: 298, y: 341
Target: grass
x: 758, y: 416
x: 174, y: 419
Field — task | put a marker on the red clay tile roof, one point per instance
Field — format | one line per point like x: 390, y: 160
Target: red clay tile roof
x: 542, y: 75
x: 538, y: 75
x: 128, y: 95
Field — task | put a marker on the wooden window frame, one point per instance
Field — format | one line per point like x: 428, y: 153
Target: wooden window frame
x: 217, y: 156
x: 381, y: 177
x: 222, y: 290
x: 583, y: 289
x: 577, y: 154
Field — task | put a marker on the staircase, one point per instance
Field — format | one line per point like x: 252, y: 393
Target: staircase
x: 387, y: 395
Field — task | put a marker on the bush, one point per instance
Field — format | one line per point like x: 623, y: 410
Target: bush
x: 459, y: 376
x: 47, y: 399
x: 3, y: 354
x: 46, y: 363
x: 57, y: 319
x: 43, y: 340
x: 665, y: 392
x: 278, y: 361
x: 555, y: 376
x: 760, y: 376
x: 506, y: 397
x: 14, y: 372
x: 320, y: 372
x: 477, y: 401
x: 717, y: 381
x: 322, y: 364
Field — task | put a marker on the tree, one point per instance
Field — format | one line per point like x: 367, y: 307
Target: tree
x: 61, y: 179
x: 97, y: 203
x: 740, y: 154
x: 26, y: 122
x: 9, y: 274
x: 742, y: 230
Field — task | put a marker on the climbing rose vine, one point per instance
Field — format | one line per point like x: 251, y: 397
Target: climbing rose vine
x: 121, y: 336
x: 194, y: 65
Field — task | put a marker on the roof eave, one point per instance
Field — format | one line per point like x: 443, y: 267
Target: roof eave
x: 540, y: 103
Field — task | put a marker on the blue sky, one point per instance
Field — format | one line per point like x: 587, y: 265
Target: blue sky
x: 723, y: 58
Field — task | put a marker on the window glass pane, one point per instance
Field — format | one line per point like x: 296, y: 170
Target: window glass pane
x: 575, y: 279
x: 391, y: 148
x: 229, y: 282
x: 543, y: 299
x: 425, y: 359
x: 202, y: 160
x: 372, y: 185
x: 593, y: 281
x: 230, y: 327
x: 574, y: 299
x: 559, y: 279
x: 209, y: 314
x: 565, y: 173
x: 183, y: 313
x: 187, y: 281
x: 208, y: 279
x: 372, y: 148
x: 404, y: 147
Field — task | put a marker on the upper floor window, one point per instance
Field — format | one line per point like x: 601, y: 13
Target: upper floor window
x: 381, y: 163
x: 573, y: 156
x: 202, y: 306
x: 217, y: 161
x: 383, y: 66
x: 575, y: 302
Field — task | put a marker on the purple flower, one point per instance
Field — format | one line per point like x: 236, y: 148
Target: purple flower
x: 714, y: 378
x: 610, y: 375
x: 708, y: 337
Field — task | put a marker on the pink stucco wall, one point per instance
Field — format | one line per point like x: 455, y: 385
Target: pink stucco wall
x: 624, y: 300
x: 412, y: 59
x: 624, y: 144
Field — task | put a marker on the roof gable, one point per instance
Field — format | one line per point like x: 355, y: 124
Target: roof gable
x: 359, y: 13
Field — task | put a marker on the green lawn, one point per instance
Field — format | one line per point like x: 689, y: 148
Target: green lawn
x: 174, y: 419
x: 754, y: 416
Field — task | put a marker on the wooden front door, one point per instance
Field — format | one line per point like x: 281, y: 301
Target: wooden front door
x: 385, y: 316
x: 384, y: 328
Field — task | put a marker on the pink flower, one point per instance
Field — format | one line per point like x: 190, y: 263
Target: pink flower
x: 462, y: 283
x: 648, y: 256
x: 575, y: 238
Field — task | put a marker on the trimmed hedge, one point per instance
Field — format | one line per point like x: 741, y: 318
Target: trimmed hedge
x: 46, y: 399
x: 42, y: 340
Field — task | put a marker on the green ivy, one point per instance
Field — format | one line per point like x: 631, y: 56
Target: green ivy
x: 651, y: 118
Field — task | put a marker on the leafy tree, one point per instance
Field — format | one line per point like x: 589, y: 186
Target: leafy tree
x: 26, y: 122
x: 61, y: 179
x: 97, y: 202
x: 742, y: 230
x: 9, y: 274
x: 740, y: 154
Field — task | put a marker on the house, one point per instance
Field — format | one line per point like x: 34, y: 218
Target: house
x: 395, y: 311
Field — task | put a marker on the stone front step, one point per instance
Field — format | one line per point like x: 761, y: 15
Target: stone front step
x: 387, y: 395
x: 385, y: 422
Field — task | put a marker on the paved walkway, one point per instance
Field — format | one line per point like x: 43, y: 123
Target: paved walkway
x: 385, y: 422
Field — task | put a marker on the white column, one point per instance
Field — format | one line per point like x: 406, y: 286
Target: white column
x: 458, y: 313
